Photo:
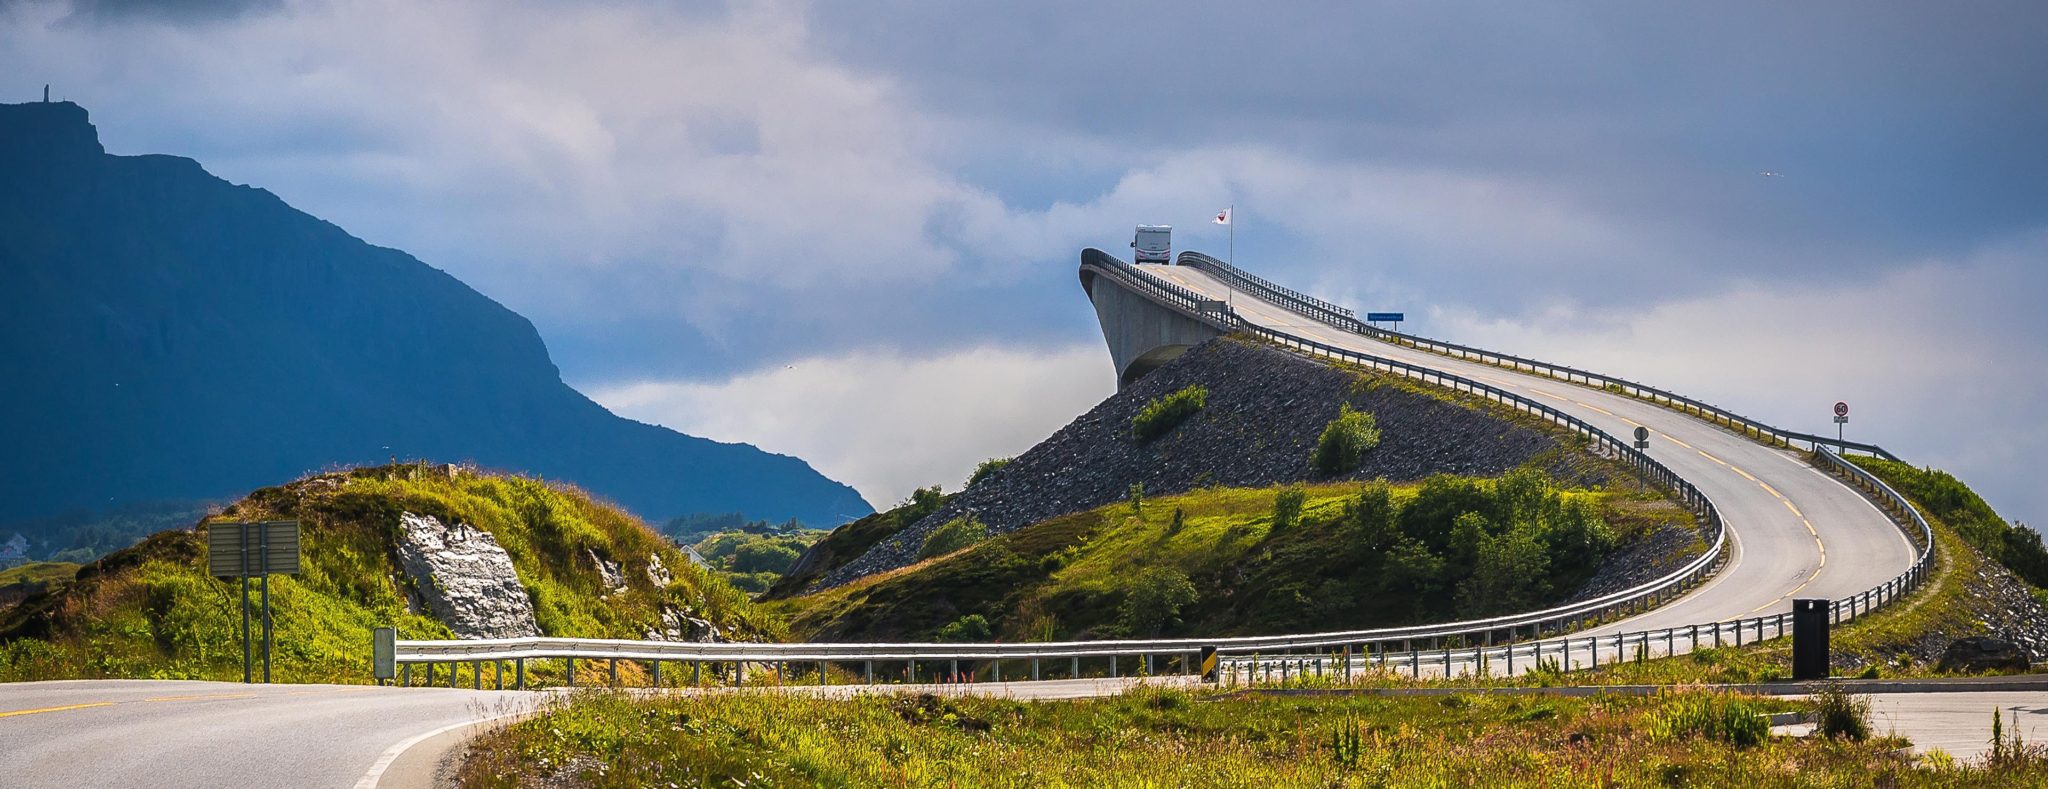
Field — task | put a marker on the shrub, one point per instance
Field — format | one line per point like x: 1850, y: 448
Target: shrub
x: 1163, y: 414
x: 987, y: 467
x: 1287, y: 507
x: 1345, y: 441
x: 922, y: 502
x: 972, y: 627
x: 762, y: 556
x: 951, y: 536
x: 1841, y: 713
x: 1155, y: 601
x: 1710, y: 716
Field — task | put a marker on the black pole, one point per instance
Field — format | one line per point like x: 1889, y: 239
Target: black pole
x: 242, y: 569
x: 263, y: 560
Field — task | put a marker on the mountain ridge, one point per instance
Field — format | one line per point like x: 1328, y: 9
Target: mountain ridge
x: 174, y: 336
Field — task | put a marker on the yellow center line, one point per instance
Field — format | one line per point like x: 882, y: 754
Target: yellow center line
x: 1680, y: 443
x: 1773, y: 491
x: 12, y: 713
x: 1795, y: 510
x: 1711, y: 457
x: 1745, y: 474
x: 1549, y: 395
x: 1596, y: 408
x: 1634, y: 423
x: 1809, y: 529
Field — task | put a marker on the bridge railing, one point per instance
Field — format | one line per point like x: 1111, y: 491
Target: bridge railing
x: 1471, y: 646
x: 1322, y: 311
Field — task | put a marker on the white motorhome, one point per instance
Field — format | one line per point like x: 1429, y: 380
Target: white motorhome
x: 1154, y: 244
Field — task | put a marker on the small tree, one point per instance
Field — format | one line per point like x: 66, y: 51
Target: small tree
x: 1345, y: 441
x: 1155, y: 601
x: 1137, y: 499
x: 1287, y: 506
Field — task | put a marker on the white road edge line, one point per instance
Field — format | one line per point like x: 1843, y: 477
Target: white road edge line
x: 376, y: 774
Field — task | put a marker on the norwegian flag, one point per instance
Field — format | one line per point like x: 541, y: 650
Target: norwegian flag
x: 1223, y: 217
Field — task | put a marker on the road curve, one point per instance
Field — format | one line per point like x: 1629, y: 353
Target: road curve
x: 169, y: 733
x: 1796, y: 532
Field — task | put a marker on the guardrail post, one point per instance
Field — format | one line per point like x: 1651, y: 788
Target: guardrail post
x: 568, y: 669
x: 453, y: 669
x: 519, y: 674
x: 1077, y: 667
x: 612, y: 671
x: 405, y: 674
x: 657, y: 673
x: 1034, y: 669
x: 430, y: 675
x: 476, y: 673
x: 498, y: 673
x: 869, y: 669
x: 996, y: 669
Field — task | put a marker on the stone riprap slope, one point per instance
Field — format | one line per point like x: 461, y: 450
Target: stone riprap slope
x: 1266, y: 408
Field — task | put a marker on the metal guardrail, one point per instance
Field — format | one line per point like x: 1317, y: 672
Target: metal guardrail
x: 1386, y: 649
x: 1321, y: 311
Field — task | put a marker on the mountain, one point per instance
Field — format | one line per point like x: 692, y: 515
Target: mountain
x: 168, y: 336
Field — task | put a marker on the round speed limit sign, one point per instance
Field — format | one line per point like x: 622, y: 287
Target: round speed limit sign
x: 1841, y: 409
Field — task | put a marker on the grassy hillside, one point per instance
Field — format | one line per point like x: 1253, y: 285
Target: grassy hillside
x: 1229, y: 561
x: 151, y: 611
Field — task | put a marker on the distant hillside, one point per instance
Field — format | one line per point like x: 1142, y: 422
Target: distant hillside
x: 585, y: 569
x: 168, y: 336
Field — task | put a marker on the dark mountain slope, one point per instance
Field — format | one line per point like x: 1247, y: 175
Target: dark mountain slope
x: 166, y: 335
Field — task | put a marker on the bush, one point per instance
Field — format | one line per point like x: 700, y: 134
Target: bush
x: 922, y: 502
x: 1155, y: 601
x: 1345, y: 441
x: 987, y: 467
x: 1840, y: 713
x: 1710, y: 716
x: 1287, y: 507
x: 969, y: 628
x: 953, y: 535
x: 1163, y: 414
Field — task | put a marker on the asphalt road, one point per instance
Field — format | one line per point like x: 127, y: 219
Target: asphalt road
x: 164, y: 733
x: 1797, y: 532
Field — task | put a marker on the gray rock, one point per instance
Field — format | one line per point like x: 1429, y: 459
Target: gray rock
x: 464, y: 578
x: 1979, y: 654
x: 679, y: 625
x: 613, y: 578
x: 657, y: 572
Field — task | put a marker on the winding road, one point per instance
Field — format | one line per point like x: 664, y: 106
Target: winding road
x: 1796, y: 531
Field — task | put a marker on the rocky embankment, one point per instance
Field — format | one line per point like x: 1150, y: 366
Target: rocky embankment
x: 1266, y: 408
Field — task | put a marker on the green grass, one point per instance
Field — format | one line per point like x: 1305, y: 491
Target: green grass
x: 151, y: 611
x: 1071, y: 576
x: 1156, y: 737
x: 1163, y: 414
x: 37, y: 573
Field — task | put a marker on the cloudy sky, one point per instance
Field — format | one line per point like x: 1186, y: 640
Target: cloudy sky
x: 849, y: 231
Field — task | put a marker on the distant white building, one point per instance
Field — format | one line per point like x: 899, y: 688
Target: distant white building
x: 14, y: 551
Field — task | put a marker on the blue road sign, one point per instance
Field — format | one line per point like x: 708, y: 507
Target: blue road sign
x: 1373, y: 317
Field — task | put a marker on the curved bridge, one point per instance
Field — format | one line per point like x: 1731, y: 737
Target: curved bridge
x: 1795, y: 531
x: 1781, y: 522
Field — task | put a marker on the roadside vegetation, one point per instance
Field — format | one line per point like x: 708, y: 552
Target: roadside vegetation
x: 1163, y: 414
x: 1229, y: 561
x: 1168, y: 737
x: 151, y: 611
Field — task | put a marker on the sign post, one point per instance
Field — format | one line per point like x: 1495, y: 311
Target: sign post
x: 241, y: 550
x: 1841, y: 418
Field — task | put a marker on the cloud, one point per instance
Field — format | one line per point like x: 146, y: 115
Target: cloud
x: 881, y: 422
x: 1941, y: 362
